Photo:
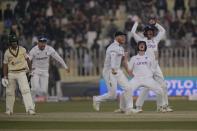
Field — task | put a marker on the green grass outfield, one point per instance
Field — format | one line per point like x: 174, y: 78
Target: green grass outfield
x: 79, y: 116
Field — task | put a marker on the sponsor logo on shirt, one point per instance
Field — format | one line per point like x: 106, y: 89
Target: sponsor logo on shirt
x: 41, y: 58
x: 151, y: 46
x: 142, y: 63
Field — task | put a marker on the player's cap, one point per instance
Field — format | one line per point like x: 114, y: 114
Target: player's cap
x: 149, y: 27
x: 42, y: 39
x: 119, y: 33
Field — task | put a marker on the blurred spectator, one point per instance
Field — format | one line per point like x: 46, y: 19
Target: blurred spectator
x: 69, y: 41
x: 134, y: 9
x: 3, y: 41
x: 148, y: 9
x: 175, y: 29
x: 15, y: 29
x: 54, y: 77
x: 1, y: 12
x: 111, y: 28
x: 87, y: 63
x: 188, y: 26
x: 193, y: 7
x: 128, y: 24
x: 8, y: 16
x: 49, y: 10
x: 94, y: 29
x: 194, y: 37
x: 95, y: 50
x: 81, y: 50
x: 80, y: 23
x: 8, y: 13
x: 161, y: 6
x: 179, y: 8
x: 20, y: 9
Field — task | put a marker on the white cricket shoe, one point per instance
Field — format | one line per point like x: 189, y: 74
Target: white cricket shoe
x: 96, y: 104
x: 9, y: 113
x: 139, y: 109
x: 168, y: 109
x: 119, y: 111
x: 161, y: 109
x: 31, y: 112
x: 131, y: 111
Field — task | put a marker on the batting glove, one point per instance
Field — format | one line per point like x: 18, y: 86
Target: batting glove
x: 4, y: 82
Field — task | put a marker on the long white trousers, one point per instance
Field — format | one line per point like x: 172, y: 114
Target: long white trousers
x: 21, y: 79
x: 39, y: 83
x: 111, y: 82
x: 158, y: 76
x: 150, y: 84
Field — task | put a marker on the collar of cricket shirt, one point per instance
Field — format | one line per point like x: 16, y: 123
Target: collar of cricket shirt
x: 116, y: 43
x: 14, y: 52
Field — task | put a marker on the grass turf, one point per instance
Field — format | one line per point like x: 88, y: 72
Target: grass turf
x: 80, y: 115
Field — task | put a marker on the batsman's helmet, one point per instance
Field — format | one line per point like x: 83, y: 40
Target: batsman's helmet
x: 141, y: 42
x: 13, y: 38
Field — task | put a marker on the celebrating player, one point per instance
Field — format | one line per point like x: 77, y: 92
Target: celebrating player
x: 14, y: 70
x: 39, y: 56
x: 113, y: 74
x: 143, y: 68
x: 152, y: 42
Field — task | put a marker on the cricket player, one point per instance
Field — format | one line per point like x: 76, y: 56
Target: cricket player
x: 152, y: 42
x: 113, y: 74
x: 143, y: 68
x: 14, y: 69
x: 39, y: 56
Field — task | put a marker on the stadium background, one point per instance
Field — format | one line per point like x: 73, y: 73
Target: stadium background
x: 80, y: 31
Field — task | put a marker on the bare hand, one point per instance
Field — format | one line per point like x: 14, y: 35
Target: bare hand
x: 136, y: 18
x: 152, y: 21
x: 114, y: 72
x: 130, y: 73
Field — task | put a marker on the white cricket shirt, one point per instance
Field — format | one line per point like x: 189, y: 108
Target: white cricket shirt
x: 40, y: 58
x: 114, y: 54
x: 142, y: 66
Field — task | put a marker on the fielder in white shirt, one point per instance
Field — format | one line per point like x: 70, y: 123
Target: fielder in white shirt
x: 39, y: 56
x: 152, y: 42
x: 143, y: 68
x: 113, y: 74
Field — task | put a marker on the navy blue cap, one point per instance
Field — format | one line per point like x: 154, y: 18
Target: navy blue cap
x: 118, y: 33
x: 42, y: 39
x: 150, y: 27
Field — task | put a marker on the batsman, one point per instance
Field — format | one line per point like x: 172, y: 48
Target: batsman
x: 15, y: 66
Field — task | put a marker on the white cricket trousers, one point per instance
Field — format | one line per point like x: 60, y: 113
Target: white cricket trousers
x: 39, y: 83
x: 148, y: 83
x: 21, y: 79
x: 111, y: 82
x: 158, y: 76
